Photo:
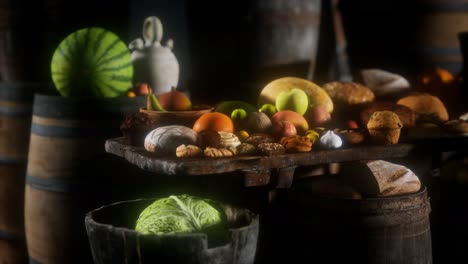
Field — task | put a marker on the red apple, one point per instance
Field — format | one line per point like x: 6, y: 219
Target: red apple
x: 283, y: 129
x: 298, y: 120
x: 351, y: 124
x: 317, y: 116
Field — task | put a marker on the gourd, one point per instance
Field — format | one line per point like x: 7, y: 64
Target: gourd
x: 92, y: 62
x: 166, y: 139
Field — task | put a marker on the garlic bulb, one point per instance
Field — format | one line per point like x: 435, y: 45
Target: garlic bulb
x: 330, y: 140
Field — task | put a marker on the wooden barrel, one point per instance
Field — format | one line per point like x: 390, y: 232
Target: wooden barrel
x: 113, y: 239
x: 257, y: 40
x: 15, y: 121
x: 448, y: 188
x: 18, y: 43
x: 439, y: 22
x: 372, y: 230
x: 69, y: 173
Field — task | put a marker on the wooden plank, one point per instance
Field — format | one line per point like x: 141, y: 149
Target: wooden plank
x: 204, y: 166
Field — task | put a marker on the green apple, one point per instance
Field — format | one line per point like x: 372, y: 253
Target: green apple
x: 295, y: 100
x: 238, y: 114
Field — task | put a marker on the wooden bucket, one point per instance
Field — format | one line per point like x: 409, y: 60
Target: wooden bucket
x: 69, y: 173
x: 15, y: 121
x: 391, y: 230
x: 113, y: 239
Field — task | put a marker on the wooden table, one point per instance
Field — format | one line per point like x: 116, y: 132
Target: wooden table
x: 278, y: 171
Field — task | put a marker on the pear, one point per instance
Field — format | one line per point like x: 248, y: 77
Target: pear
x: 152, y: 104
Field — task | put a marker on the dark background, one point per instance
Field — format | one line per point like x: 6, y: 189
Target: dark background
x: 216, y: 41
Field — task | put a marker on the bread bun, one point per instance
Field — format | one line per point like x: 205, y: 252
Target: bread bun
x: 428, y: 108
x: 405, y: 114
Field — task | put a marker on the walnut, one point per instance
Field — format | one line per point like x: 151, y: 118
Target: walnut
x: 296, y: 144
x: 271, y: 149
x: 188, y: 151
x: 220, y: 152
x: 246, y: 149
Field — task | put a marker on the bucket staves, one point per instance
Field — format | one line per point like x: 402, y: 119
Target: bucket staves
x: 69, y: 173
x: 15, y: 120
x: 113, y: 239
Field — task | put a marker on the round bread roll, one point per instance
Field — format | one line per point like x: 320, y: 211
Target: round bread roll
x: 405, y: 114
x: 428, y: 108
x: 348, y: 93
x: 166, y: 139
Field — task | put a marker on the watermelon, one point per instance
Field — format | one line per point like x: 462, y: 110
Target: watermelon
x: 92, y: 62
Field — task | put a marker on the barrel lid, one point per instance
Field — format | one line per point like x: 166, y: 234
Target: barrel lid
x: 85, y: 107
x: 21, y: 91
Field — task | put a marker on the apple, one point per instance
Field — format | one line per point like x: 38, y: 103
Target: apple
x: 238, y: 114
x: 283, y: 129
x: 351, y: 124
x: 239, y: 117
x: 295, y: 100
x: 298, y: 120
x: 142, y: 89
x: 317, y: 116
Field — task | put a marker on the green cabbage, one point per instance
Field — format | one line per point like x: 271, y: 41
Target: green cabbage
x: 183, y: 214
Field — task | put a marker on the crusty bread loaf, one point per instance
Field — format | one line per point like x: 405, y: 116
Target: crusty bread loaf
x: 348, y: 93
x: 426, y: 107
x: 380, y: 178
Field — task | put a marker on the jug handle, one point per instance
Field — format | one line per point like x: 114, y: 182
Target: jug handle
x: 152, y: 31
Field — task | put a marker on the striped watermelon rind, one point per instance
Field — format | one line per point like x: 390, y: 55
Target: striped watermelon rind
x: 92, y: 62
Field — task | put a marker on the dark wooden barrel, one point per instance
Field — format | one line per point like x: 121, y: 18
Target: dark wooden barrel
x: 378, y: 230
x: 69, y: 173
x: 19, y: 40
x: 448, y: 188
x: 437, y: 30
x: 256, y: 41
x: 15, y: 121
x: 113, y: 239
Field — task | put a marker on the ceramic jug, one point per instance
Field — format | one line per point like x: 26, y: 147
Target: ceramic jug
x: 153, y: 62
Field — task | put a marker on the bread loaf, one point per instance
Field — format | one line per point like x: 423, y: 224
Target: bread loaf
x: 380, y: 178
x: 348, y: 93
x: 428, y: 108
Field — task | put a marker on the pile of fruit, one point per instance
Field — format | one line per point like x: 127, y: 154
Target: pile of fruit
x: 292, y: 115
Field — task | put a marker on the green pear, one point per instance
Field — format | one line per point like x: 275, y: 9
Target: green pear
x: 268, y: 109
x: 152, y: 103
x: 295, y: 100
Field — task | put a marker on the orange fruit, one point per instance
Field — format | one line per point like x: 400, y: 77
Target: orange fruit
x: 214, y: 121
